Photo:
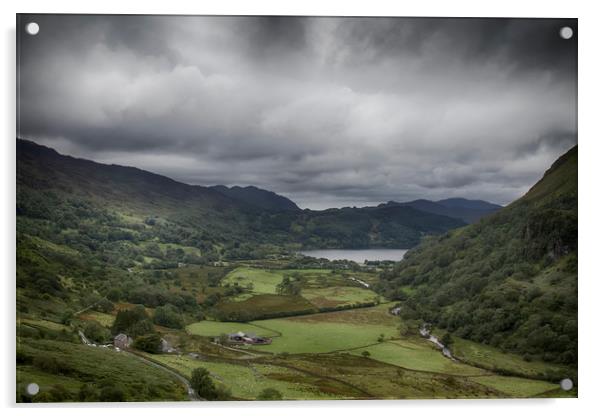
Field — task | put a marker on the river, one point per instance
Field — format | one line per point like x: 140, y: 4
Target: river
x: 358, y: 256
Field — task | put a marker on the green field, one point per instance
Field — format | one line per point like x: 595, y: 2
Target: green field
x: 417, y: 354
x: 319, y: 337
x: 246, y: 381
x: 54, y: 326
x: 104, y: 319
x: 338, y: 296
x: 492, y: 358
x: 516, y: 387
x: 264, y: 281
x: 264, y: 306
x: 215, y: 329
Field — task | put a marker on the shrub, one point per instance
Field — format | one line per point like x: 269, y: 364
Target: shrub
x: 149, y: 343
x: 269, y: 394
x: 201, y: 383
x: 51, y: 365
x: 96, y: 332
x: 88, y: 393
x: 112, y: 394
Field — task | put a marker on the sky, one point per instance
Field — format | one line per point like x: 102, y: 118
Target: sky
x: 327, y: 111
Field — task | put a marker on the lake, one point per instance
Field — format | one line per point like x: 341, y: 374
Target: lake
x: 357, y: 256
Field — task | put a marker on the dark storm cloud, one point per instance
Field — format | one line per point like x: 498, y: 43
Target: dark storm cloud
x: 327, y: 111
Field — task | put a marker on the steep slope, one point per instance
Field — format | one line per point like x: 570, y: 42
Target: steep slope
x: 383, y: 226
x: 509, y: 280
x: 256, y: 197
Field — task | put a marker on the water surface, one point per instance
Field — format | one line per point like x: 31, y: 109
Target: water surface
x: 357, y: 256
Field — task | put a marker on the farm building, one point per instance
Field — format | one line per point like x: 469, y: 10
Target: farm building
x: 122, y: 341
x: 242, y: 338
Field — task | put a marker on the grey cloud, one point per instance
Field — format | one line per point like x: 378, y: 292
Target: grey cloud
x: 327, y: 111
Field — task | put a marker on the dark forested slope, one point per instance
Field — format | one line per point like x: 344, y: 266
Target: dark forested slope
x: 510, y: 279
x: 466, y: 210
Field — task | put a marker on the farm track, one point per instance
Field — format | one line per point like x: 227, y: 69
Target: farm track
x: 183, y: 380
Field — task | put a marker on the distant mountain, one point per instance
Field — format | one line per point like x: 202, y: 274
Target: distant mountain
x: 257, y: 197
x: 509, y: 280
x: 475, y: 204
x: 73, y: 193
x: 466, y: 210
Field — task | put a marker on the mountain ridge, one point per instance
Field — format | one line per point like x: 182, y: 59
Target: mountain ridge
x: 46, y: 180
x: 466, y: 210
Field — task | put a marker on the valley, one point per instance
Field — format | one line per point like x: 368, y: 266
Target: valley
x: 204, y: 278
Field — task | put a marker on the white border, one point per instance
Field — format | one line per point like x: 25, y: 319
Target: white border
x: 589, y: 205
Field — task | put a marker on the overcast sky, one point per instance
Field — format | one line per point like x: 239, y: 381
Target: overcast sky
x: 327, y: 111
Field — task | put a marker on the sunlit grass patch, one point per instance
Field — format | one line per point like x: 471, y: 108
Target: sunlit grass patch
x: 417, y: 354
x: 215, y: 328
x: 299, y: 336
x: 104, y: 319
x: 263, y: 281
x: 338, y: 296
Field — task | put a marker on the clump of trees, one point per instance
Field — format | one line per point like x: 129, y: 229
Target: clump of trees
x: 168, y: 316
x: 134, y: 322
x: 289, y: 286
x: 150, y: 343
x: 204, y: 386
x: 96, y: 332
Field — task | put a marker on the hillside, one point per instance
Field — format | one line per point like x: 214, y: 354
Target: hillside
x: 465, y: 210
x: 509, y: 280
x: 256, y: 197
x: 61, y: 195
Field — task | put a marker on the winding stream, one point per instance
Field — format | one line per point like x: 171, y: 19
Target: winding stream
x: 444, y: 350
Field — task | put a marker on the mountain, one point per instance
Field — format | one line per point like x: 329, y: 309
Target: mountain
x: 257, y: 197
x: 95, y: 203
x: 509, y: 280
x: 475, y: 204
x: 466, y: 210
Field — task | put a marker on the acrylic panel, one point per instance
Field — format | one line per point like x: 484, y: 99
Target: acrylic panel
x: 295, y: 208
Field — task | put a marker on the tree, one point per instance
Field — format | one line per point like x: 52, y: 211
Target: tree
x: 133, y: 322
x: 168, y: 316
x: 447, y: 339
x: 96, y: 332
x: 201, y: 382
x: 269, y: 394
x: 288, y: 286
x: 104, y: 305
x: 365, y: 354
x: 149, y: 343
